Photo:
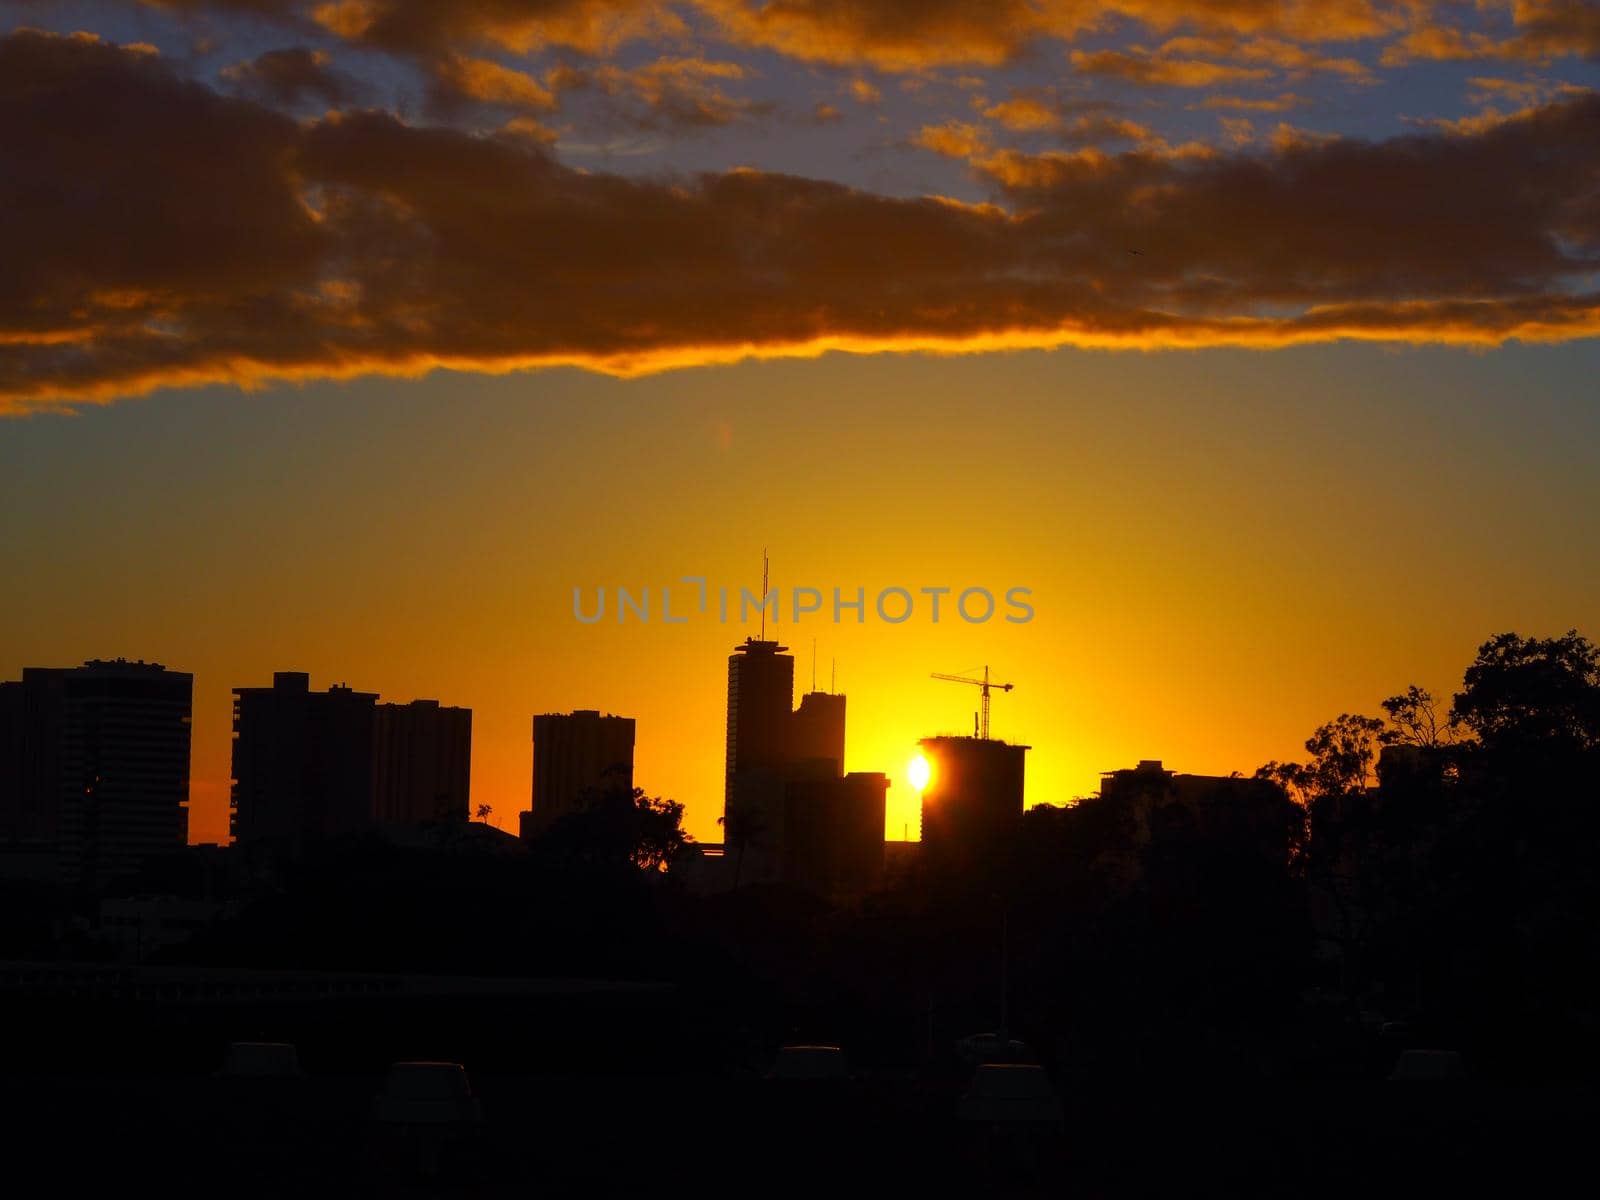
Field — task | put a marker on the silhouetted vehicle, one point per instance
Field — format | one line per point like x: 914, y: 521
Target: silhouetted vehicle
x: 1011, y: 1094
x: 431, y: 1094
x: 261, y: 1060
x: 1429, y: 1066
x: 425, y: 1111
x: 810, y: 1064
x: 980, y: 1048
x: 1013, y: 1118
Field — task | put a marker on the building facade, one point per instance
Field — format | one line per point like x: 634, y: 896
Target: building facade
x: 1154, y: 805
x: 790, y: 813
x: 973, y: 800
x: 422, y: 763
x: 760, y: 700
x: 302, y: 761
x: 310, y: 765
x: 123, y: 768
x: 831, y: 834
x: 576, y: 755
x: 816, y: 731
x: 31, y: 713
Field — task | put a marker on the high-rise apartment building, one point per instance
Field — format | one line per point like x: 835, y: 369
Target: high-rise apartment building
x: 309, y: 765
x: 576, y: 756
x: 422, y: 763
x: 123, y: 764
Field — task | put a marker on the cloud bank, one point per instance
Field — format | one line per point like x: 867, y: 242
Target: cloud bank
x: 162, y: 233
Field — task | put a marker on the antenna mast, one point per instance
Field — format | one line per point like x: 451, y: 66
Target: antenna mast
x: 763, y: 593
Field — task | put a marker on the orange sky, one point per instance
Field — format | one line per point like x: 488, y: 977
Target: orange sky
x: 1225, y: 548
x: 1255, y: 337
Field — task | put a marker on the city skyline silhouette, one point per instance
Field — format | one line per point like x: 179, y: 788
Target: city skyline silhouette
x: 1168, y: 431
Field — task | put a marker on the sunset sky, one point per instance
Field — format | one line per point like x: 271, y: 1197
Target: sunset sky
x: 1257, y: 338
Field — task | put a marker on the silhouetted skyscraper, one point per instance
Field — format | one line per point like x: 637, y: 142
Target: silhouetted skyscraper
x: 829, y: 833
x: 576, y: 755
x: 302, y: 761
x: 31, y: 713
x: 973, y: 800
x: 422, y: 763
x: 124, y: 767
x: 790, y: 814
x: 760, y: 699
x: 816, y: 730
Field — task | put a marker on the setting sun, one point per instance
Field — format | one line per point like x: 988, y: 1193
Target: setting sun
x: 917, y: 772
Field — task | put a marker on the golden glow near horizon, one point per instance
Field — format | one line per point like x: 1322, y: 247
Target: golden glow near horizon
x: 1210, y: 541
x: 812, y: 309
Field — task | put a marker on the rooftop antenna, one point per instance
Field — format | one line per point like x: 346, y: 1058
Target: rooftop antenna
x: 813, y: 664
x: 763, y: 593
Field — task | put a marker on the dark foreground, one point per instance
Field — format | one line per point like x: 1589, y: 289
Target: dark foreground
x: 562, y: 1134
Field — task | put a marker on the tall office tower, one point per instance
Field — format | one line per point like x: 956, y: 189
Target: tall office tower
x: 829, y: 835
x: 973, y: 800
x: 816, y: 731
x: 12, y: 747
x: 302, y: 761
x: 576, y: 756
x: 124, y: 767
x: 31, y: 712
x: 760, y: 697
x: 421, y: 763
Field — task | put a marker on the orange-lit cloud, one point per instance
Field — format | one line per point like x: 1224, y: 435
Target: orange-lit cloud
x: 897, y: 35
x: 1021, y: 114
x: 160, y: 233
x: 670, y: 92
x: 1555, y: 29
x: 1284, y: 102
x: 1291, y: 58
x: 1093, y: 125
x: 953, y: 139
x: 1544, y: 30
x: 457, y: 77
x: 1525, y: 93
x: 1151, y: 69
x: 909, y: 35
x: 427, y: 27
x: 864, y: 91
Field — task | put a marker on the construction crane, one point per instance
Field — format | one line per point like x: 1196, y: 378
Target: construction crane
x: 984, y: 685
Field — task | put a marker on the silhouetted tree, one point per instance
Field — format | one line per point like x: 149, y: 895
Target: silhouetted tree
x: 1525, y: 691
x: 1414, y: 720
x: 661, y: 838
x: 618, y: 830
x: 1342, y: 753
